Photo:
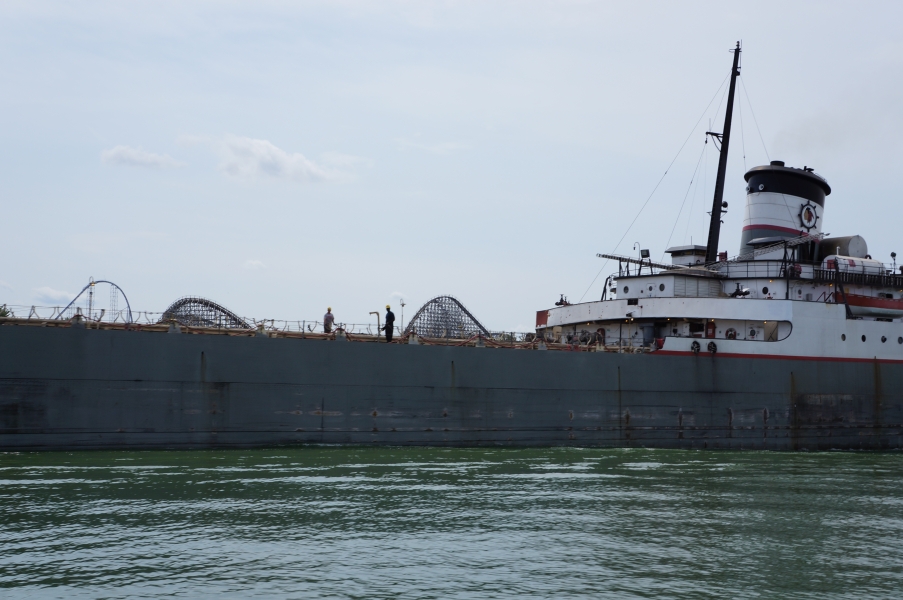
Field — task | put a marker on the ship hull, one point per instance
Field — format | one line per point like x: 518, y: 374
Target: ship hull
x: 69, y: 388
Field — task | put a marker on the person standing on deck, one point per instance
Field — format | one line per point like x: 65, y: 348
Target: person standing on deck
x: 328, y: 320
x: 390, y: 323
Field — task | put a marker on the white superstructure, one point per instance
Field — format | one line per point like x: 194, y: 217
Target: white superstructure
x: 790, y: 293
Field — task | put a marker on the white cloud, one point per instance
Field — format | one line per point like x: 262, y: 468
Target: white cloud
x: 136, y: 157
x: 338, y: 159
x: 103, y: 241
x: 48, y: 295
x: 396, y: 298
x: 440, y: 148
x: 247, y: 158
x: 250, y: 158
x: 189, y: 140
x: 253, y: 265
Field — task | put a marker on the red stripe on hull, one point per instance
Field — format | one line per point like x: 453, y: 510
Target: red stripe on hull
x: 703, y: 353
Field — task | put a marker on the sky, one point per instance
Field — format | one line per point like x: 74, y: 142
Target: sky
x: 282, y: 157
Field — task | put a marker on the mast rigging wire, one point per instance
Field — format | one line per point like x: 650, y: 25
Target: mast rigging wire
x: 756, y: 121
x: 677, y: 220
x: 705, y: 171
x: 656, y: 186
x: 718, y: 110
x: 742, y: 136
x: 745, y: 93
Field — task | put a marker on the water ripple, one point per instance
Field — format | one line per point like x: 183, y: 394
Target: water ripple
x: 440, y: 523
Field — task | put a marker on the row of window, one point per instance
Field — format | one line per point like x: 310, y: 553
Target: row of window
x: 661, y: 288
x: 843, y: 337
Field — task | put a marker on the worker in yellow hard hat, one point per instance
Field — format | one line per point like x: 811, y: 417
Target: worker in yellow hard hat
x: 390, y: 323
x: 328, y: 320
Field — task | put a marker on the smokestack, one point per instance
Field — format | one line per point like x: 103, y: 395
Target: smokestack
x: 782, y: 202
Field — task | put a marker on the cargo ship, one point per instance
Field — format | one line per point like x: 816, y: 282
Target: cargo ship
x: 795, y: 343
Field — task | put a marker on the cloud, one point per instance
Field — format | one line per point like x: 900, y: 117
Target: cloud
x: 398, y: 298
x: 136, y: 157
x: 5, y: 285
x: 247, y: 158
x: 250, y: 158
x: 440, y: 148
x: 253, y: 265
x: 337, y: 159
x: 103, y: 241
x: 194, y: 140
x: 48, y: 295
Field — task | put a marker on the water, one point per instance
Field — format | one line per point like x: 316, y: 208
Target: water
x: 451, y: 523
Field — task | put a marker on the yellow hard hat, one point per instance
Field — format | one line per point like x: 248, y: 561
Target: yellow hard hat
x: 328, y: 309
x: 387, y: 306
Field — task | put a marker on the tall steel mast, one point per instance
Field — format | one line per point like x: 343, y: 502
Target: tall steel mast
x: 711, y: 249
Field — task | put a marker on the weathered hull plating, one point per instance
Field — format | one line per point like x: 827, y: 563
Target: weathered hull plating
x: 64, y: 388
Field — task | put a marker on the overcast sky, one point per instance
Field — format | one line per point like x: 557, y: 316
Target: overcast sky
x: 282, y: 157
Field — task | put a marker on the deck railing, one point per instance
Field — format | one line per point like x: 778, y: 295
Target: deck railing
x: 55, y: 313
x: 776, y: 269
x: 865, y: 279
x: 509, y: 340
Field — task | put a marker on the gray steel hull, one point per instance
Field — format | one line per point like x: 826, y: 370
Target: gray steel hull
x: 64, y: 388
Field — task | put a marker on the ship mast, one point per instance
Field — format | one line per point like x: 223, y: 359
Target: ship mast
x: 711, y: 249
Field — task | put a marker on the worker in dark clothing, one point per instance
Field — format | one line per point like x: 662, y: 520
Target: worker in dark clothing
x: 390, y: 323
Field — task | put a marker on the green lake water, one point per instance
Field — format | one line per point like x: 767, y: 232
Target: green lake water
x: 340, y: 522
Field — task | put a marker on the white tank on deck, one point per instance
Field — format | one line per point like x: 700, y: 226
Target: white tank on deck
x: 853, y: 264
x: 852, y: 245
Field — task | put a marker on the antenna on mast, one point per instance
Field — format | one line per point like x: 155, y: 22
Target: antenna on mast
x: 711, y: 249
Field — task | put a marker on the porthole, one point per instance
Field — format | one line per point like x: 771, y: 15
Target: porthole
x: 626, y: 289
x: 674, y: 331
x: 752, y: 333
x: 883, y: 339
x: 650, y: 288
x: 843, y: 337
x: 761, y: 187
x: 863, y: 338
x: 748, y: 189
x: 900, y: 340
x: 661, y: 287
x: 765, y: 290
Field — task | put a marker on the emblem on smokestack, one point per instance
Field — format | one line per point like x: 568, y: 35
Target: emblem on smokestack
x: 808, y: 216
